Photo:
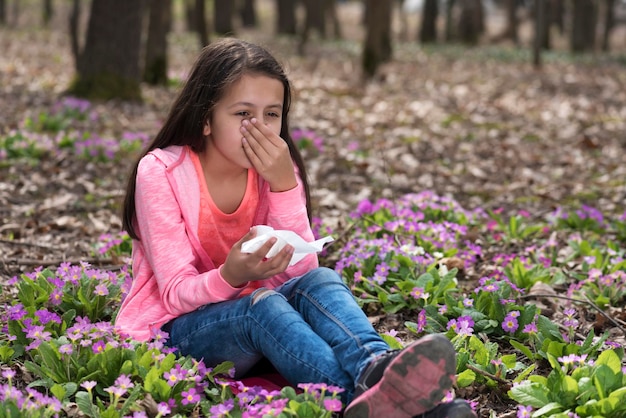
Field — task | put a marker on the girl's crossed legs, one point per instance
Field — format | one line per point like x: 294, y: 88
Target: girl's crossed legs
x: 310, y: 328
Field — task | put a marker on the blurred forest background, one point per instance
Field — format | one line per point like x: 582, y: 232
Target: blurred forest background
x: 117, y: 44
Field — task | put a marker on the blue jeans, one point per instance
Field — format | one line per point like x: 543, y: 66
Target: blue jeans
x: 310, y: 329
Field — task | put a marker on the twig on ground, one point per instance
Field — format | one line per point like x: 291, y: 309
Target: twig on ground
x: 489, y: 375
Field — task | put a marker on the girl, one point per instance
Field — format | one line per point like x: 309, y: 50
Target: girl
x: 223, y: 162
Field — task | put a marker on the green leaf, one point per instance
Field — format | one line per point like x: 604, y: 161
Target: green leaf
x: 58, y: 391
x: 86, y: 406
x: 465, y: 378
x: 530, y: 393
x: 609, y: 358
x: 528, y: 370
x: 6, y: 353
x: 523, y: 348
x: 548, y: 410
x: 603, y: 380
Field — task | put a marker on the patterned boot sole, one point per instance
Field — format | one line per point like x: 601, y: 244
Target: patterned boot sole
x: 413, y: 383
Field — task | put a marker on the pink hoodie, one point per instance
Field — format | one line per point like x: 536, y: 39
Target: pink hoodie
x: 173, y: 275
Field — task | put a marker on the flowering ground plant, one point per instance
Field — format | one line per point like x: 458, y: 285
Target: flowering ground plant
x: 64, y: 129
x: 503, y: 339
x: 85, y: 361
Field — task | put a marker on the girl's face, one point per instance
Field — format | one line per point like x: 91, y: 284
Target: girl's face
x: 253, y: 95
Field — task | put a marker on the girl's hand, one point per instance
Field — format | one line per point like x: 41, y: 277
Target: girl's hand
x: 240, y: 268
x: 269, y: 155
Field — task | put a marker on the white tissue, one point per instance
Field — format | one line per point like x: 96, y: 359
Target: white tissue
x: 284, y: 237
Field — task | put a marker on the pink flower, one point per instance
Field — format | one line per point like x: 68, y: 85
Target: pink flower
x: 190, y: 396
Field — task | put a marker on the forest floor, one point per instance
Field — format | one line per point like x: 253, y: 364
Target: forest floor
x: 480, y: 125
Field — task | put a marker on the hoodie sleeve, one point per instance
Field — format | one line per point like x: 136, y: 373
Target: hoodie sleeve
x: 167, y: 247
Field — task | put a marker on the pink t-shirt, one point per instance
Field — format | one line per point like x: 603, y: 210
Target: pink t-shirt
x: 219, y: 231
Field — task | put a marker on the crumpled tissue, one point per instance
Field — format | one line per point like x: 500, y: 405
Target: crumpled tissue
x: 284, y: 237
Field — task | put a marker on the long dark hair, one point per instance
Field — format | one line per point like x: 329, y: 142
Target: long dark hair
x: 218, y: 66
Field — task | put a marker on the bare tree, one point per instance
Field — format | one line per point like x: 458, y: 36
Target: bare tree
x: 108, y: 64
x: 511, y: 29
x: 584, y: 17
x: 223, y: 13
x: 541, y: 26
x: 200, y: 23
x: 317, y: 16
x: 155, y: 67
x: 377, y: 47
x: 449, y: 29
x: 247, y: 12
x: 609, y: 23
x: 428, y: 28
x: 286, y: 17
x: 47, y: 12
x: 3, y: 12
x: 471, y: 21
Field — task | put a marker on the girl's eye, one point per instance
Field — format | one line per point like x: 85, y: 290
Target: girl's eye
x: 273, y: 115
x: 243, y: 113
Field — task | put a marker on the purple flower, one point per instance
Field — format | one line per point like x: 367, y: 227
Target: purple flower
x: 421, y: 321
x: 510, y: 324
x: 530, y: 328
x: 89, y: 384
x: 223, y: 409
x: 333, y: 405
x: 66, y: 349
x: 8, y: 374
x: 98, y: 347
x: 174, y: 376
x: 56, y: 297
x: 16, y: 312
x: 163, y: 409
x: 101, y: 290
x: 524, y: 411
x: 124, y: 382
x: 190, y: 396
x: 465, y: 325
x: 37, y: 332
x: 46, y: 316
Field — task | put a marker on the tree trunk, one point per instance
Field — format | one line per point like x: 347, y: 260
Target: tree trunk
x: 155, y: 68
x: 190, y: 15
x: 471, y: 22
x: 223, y: 12
x: 541, y: 26
x: 74, y: 20
x: 583, y: 25
x: 314, y: 20
x: 15, y: 13
x: 547, y: 10
x: 200, y: 24
x: 450, y: 33
x: 330, y: 9
x: 557, y: 14
x: 108, y: 66
x: 377, y: 47
x: 609, y: 23
x: 247, y: 12
x: 286, y: 20
x: 428, y: 28
x: 48, y: 12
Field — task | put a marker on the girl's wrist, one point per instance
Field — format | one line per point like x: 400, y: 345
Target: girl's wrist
x: 228, y: 279
x: 283, y: 185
